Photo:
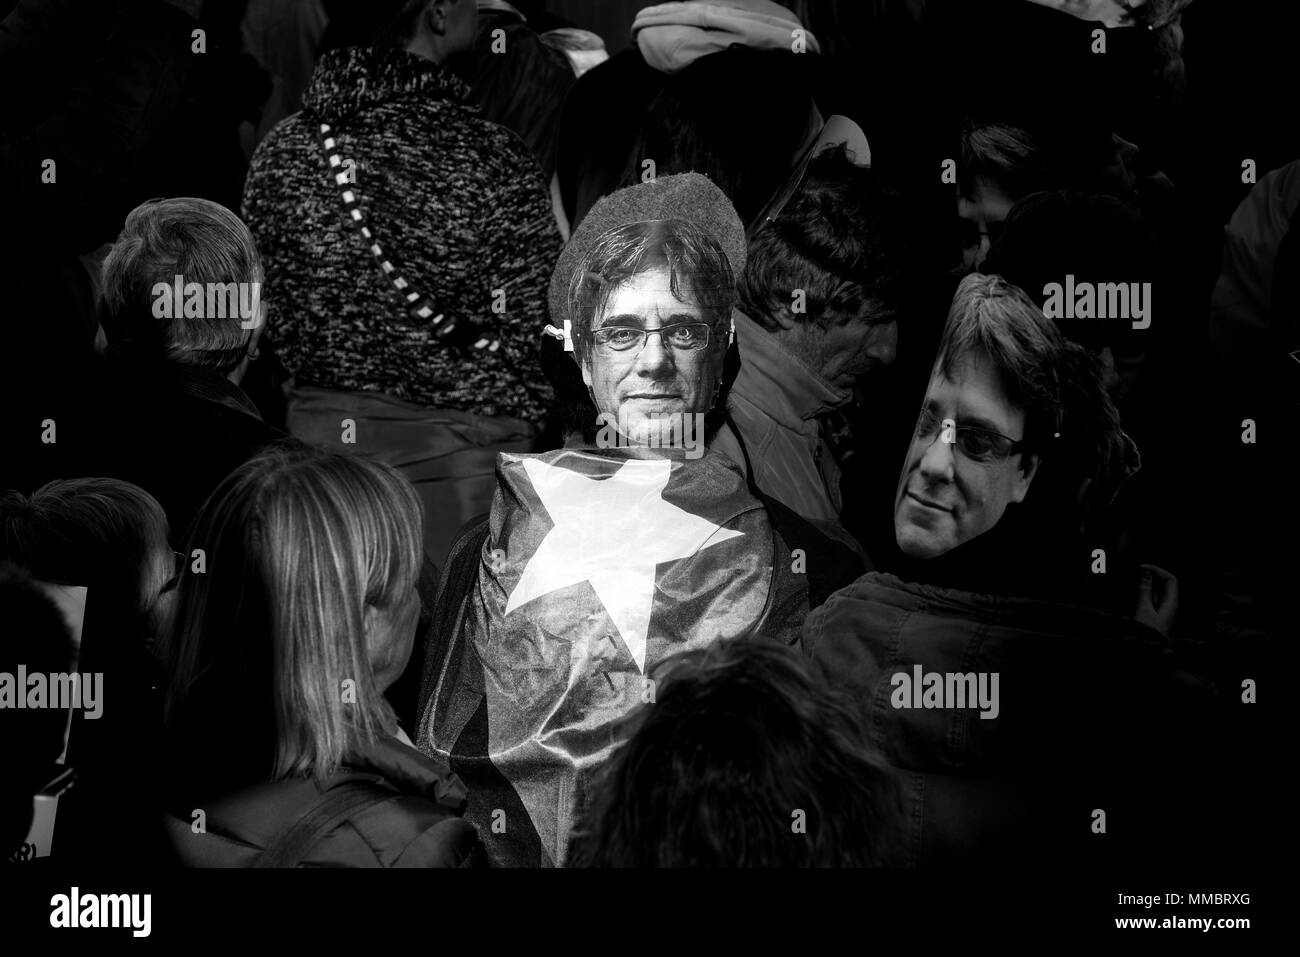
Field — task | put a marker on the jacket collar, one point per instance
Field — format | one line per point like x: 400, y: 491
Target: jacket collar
x: 780, y: 384
x: 410, y: 771
x: 211, y: 386
x: 354, y: 79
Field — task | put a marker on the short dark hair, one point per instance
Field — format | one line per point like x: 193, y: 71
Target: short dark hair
x: 1011, y: 157
x: 398, y: 29
x: 698, y: 269
x: 842, y: 239
x: 99, y: 532
x: 990, y: 316
x: 743, y: 741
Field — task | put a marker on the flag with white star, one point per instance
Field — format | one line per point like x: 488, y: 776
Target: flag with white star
x: 598, y: 565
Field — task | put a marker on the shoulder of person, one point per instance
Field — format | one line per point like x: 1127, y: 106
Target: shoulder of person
x: 407, y: 830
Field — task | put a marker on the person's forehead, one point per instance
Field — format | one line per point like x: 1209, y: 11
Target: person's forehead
x: 649, y: 294
x: 973, y: 390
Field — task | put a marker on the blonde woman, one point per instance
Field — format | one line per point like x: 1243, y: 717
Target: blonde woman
x: 283, y: 749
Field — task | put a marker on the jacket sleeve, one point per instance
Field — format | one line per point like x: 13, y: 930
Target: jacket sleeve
x: 520, y: 245
x: 452, y: 842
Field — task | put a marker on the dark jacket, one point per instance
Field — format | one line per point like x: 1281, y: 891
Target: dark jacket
x: 174, y: 430
x: 418, y: 825
x: 455, y: 204
x: 775, y: 403
x: 1090, y: 714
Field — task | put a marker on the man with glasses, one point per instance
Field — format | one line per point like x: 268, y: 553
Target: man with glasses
x: 652, y: 303
x: 1015, y: 435
x: 633, y: 544
x: 991, y: 409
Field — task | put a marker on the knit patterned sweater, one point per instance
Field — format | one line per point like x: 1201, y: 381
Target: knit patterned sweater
x: 456, y: 207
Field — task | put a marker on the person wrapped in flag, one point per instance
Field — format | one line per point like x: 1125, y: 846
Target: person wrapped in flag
x: 632, y: 544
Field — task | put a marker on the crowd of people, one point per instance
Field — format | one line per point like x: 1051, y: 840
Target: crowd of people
x: 445, y: 437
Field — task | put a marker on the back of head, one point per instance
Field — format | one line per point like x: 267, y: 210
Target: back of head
x: 303, y: 548
x: 1094, y: 237
x: 165, y: 245
x: 106, y: 534
x: 745, y: 759
x: 1020, y: 152
x: 1012, y: 158
x: 739, y: 117
x: 842, y: 238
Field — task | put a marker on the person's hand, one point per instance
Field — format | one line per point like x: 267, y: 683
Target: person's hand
x: 1157, y: 599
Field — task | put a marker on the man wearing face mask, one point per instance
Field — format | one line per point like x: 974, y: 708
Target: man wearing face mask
x: 999, y: 515
x: 630, y: 545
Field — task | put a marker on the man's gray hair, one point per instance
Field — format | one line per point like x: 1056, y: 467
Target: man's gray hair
x: 201, y: 241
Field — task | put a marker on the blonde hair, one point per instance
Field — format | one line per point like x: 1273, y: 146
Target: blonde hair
x: 298, y: 542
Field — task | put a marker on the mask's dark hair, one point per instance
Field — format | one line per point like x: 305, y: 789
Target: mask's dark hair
x: 698, y: 270
x: 989, y: 317
x: 842, y: 239
x: 746, y: 758
x: 1056, y: 383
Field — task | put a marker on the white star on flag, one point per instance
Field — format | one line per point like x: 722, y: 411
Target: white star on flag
x: 612, y: 533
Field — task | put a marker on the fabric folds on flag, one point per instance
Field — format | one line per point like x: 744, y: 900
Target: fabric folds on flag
x: 598, y: 565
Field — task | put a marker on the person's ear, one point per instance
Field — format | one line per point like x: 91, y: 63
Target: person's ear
x: 435, y: 17
x: 1024, y: 475
x: 257, y: 329
x: 784, y: 318
x: 375, y: 626
x: 584, y: 364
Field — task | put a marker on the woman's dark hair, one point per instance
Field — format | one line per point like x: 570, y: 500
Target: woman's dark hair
x: 745, y: 759
x: 739, y: 117
x: 99, y: 532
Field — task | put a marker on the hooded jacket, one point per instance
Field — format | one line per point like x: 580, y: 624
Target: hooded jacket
x: 458, y: 210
